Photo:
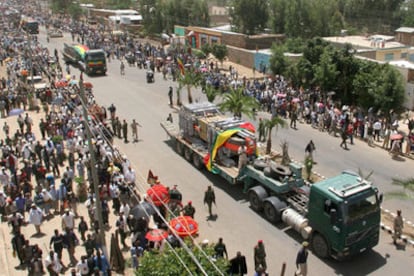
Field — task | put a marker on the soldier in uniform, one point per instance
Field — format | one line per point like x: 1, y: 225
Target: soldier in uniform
x: 125, y: 130
x: 398, y: 226
x: 189, y: 210
x: 209, y: 199
x: 118, y: 127
x: 260, y: 255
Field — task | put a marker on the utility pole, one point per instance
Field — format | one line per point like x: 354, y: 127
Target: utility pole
x: 94, y: 174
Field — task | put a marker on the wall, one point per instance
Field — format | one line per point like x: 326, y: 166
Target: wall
x: 240, y: 56
x: 251, y: 42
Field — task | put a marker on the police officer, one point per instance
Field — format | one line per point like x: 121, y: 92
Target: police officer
x: 260, y: 255
x: 189, y: 209
x: 170, y: 95
x: 125, y: 130
x: 398, y: 226
x: 209, y: 199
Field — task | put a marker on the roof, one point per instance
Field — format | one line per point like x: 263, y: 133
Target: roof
x: 402, y: 64
x: 371, y: 42
x: 342, y: 186
x: 405, y: 30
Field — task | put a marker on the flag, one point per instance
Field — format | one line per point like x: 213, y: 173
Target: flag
x: 151, y: 178
x: 180, y: 66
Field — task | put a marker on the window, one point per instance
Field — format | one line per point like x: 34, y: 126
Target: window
x: 389, y: 57
x: 404, y: 55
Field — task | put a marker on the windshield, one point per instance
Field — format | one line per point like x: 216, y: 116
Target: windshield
x: 98, y: 56
x: 362, y: 207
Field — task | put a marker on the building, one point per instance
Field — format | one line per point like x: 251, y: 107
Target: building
x: 405, y: 35
x: 250, y: 51
x: 376, y: 47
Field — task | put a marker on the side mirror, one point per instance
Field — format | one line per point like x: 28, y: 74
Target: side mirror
x: 333, y: 216
x: 381, y: 198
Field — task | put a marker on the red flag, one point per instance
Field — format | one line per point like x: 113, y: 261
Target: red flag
x: 151, y: 178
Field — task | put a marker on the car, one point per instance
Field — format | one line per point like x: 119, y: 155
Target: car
x: 55, y: 33
x: 38, y: 83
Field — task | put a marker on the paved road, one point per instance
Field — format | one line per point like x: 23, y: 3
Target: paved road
x: 237, y: 223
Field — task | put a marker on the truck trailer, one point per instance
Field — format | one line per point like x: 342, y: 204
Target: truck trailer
x: 87, y: 60
x: 340, y: 216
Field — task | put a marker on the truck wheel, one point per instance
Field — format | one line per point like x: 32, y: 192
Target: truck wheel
x: 179, y: 148
x: 320, y: 246
x: 281, y: 171
x: 256, y: 196
x: 273, y: 208
x: 188, y: 154
x: 259, y: 164
x: 197, y: 162
x: 269, y: 172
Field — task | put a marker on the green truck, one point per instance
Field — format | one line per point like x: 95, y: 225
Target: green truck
x: 340, y: 216
x: 92, y: 62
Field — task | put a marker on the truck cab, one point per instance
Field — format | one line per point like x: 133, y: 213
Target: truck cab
x: 344, y: 213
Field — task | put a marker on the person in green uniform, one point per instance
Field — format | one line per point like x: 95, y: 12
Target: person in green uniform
x: 262, y: 130
x: 125, y: 130
x: 189, y: 209
x: 260, y: 255
x: 118, y: 127
x: 220, y: 249
x: 209, y: 199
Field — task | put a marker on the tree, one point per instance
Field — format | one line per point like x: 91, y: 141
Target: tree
x: 190, y: 78
x: 270, y: 124
x: 278, y: 61
x: 326, y: 72
x: 408, y: 188
x: 168, y: 262
x: 238, y: 103
x: 211, y: 92
x: 220, y: 52
x: 249, y: 16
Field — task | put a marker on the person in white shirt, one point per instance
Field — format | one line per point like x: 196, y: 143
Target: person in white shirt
x: 52, y: 263
x: 82, y: 267
x: 68, y: 220
x: 124, y: 209
x: 36, y: 217
x: 130, y: 176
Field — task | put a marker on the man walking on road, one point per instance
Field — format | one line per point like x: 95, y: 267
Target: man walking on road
x: 134, y: 128
x: 209, y: 199
x: 260, y: 256
x: 301, y: 260
x: 170, y: 96
x: 398, y: 227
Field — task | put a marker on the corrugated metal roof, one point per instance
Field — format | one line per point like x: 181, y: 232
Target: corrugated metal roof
x: 405, y: 30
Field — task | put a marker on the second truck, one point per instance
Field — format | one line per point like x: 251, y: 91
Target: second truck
x: 340, y: 215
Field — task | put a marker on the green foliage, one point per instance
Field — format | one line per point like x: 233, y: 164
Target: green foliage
x: 278, y: 61
x: 191, y: 78
x: 408, y: 189
x: 161, y: 15
x: 219, y: 51
x: 249, y: 16
x: 211, y: 92
x: 326, y: 72
x: 206, y: 48
x: 199, y: 53
x: 167, y: 263
x: 270, y: 124
x: 238, y: 103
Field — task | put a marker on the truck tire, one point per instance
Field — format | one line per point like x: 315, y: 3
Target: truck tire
x: 256, y: 196
x: 320, y: 246
x: 197, y: 162
x: 281, y: 171
x: 188, y: 154
x: 269, y: 172
x: 273, y: 208
x: 259, y: 164
x: 179, y: 148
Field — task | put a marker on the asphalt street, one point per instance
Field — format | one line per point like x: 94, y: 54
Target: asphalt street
x: 240, y: 226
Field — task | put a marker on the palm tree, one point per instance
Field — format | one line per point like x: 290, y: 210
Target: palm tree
x: 276, y: 121
x: 211, y: 92
x: 408, y: 188
x: 239, y: 103
x: 189, y: 79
